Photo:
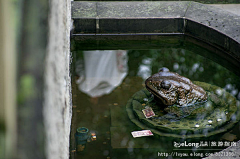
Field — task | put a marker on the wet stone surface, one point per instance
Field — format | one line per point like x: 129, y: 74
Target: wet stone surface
x: 141, y: 9
x: 84, y: 10
x: 216, y: 18
x: 207, y: 23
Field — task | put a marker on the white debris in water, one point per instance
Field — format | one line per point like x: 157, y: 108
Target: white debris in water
x: 175, y: 66
x: 197, y: 125
x: 195, y: 67
x: 144, y: 71
x: 145, y: 99
x: 228, y: 86
x: 219, y: 119
x: 147, y: 61
x: 210, y: 121
x: 234, y: 92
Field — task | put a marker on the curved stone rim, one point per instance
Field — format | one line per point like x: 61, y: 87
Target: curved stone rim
x: 207, y: 23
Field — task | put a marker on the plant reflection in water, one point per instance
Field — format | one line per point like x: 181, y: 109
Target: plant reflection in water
x: 105, y: 113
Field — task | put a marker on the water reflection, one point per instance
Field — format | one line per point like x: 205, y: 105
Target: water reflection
x: 185, y: 63
x: 101, y: 71
x: 105, y: 88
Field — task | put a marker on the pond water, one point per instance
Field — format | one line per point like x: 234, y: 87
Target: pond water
x: 103, y: 82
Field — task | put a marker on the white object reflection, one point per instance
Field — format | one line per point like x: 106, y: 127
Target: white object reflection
x: 144, y: 69
x: 103, y: 71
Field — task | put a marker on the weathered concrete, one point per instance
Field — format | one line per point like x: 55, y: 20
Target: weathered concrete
x: 57, y: 103
x: 128, y: 9
x: 128, y: 17
x: 115, y: 14
x: 233, y: 8
x: 207, y: 23
x: 212, y: 17
x: 143, y: 10
x: 219, y: 28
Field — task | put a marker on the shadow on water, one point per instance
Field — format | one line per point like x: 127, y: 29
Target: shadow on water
x: 103, y: 82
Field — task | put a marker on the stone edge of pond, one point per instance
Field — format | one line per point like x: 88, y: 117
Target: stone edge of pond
x: 215, y: 26
x: 201, y: 21
x: 98, y: 12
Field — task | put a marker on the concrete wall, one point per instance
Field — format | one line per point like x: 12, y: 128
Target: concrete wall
x: 35, y: 109
x: 57, y: 93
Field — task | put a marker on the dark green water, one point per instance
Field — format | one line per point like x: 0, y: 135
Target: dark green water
x: 105, y: 115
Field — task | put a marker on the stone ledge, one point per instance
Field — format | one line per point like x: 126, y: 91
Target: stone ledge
x: 128, y: 10
x: 90, y: 13
x: 207, y: 23
x: 215, y: 18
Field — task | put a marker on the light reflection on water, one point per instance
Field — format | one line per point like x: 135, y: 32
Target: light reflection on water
x: 104, y: 113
